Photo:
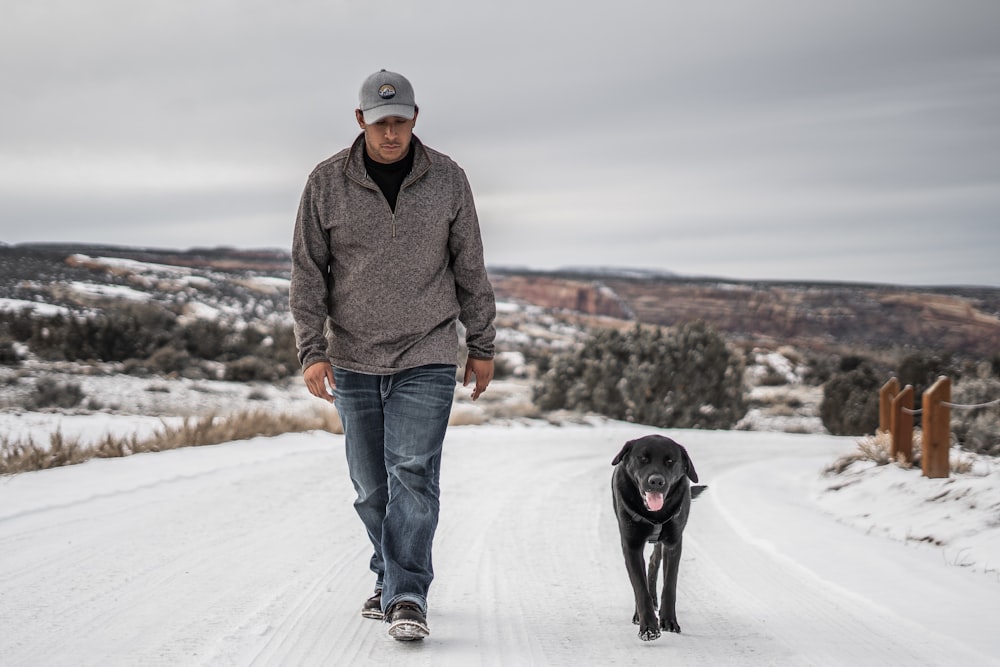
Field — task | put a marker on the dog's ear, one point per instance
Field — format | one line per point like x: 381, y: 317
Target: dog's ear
x: 689, y: 467
x: 623, y: 453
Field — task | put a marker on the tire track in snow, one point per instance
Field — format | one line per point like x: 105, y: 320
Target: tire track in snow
x: 783, y: 609
x: 185, y: 549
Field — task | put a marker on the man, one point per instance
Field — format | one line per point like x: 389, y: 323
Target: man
x: 387, y: 256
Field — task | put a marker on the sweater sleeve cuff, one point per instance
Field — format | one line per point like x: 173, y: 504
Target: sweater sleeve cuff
x: 313, y: 359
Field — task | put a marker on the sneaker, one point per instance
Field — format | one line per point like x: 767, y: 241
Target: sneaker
x: 407, y: 622
x: 372, y: 608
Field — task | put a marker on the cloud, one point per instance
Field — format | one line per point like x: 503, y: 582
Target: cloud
x: 774, y: 139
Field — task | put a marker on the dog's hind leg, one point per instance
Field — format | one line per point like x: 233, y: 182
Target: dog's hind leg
x: 654, y: 572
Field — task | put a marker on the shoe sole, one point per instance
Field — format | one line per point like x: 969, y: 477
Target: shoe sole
x: 373, y: 613
x: 408, y: 631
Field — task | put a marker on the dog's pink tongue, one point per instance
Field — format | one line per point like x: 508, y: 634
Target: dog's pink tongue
x: 654, y: 501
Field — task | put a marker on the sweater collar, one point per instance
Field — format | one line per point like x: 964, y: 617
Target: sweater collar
x: 355, y: 167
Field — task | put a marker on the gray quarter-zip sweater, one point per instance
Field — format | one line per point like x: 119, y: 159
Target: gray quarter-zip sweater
x: 379, y: 292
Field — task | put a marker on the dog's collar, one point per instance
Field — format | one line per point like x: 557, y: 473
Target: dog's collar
x: 657, y: 525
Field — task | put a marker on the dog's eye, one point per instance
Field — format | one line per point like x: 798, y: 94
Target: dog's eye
x: 643, y: 459
x: 670, y: 462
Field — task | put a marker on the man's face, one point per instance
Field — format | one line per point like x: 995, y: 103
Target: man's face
x: 388, y: 140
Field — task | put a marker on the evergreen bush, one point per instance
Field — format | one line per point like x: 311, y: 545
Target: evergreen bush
x: 168, y: 359
x: 131, y: 331
x: 686, y: 377
x: 8, y: 354
x: 922, y: 369
x: 150, y: 339
x: 977, y: 429
x: 850, y: 404
x: 52, y: 393
x: 254, y: 369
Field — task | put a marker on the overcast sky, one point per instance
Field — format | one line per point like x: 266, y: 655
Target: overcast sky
x: 775, y: 139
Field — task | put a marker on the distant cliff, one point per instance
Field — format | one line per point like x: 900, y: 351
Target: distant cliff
x: 965, y: 320
x: 815, y: 315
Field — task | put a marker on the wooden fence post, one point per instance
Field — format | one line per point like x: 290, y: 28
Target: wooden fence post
x: 901, y: 431
x: 885, y: 395
x: 936, y: 436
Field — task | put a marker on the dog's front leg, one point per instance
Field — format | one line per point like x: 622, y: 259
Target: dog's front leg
x: 653, y: 571
x: 645, y: 614
x: 668, y: 603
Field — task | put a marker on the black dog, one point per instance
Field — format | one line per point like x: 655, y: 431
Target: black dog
x: 652, y: 498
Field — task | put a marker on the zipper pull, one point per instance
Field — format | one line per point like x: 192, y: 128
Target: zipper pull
x: 393, y: 225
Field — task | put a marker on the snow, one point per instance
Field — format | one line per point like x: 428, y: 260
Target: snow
x: 42, y: 309
x: 124, y: 398
x: 792, y: 408
x: 250, y: 553
x: 201, y: 311
x: 508, y: 307
x: 267, y: 283
x: 84, y: 428
x: 108, y: 291
x: 130, y: 265
x: 960, y: 514
x: 767, y: 362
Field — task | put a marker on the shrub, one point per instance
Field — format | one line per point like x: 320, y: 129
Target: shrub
x: 131, y: 331
x: 8, y: 354
x: 204, y: 339
x: 273, y: 347
x: 18, y: 324
x: 168, y: 360
x: 922, y: 369
x: 148, y: 338
x: 52, y: 393
x: 977, y: 429
x: 684, y: 378
x: 46, y: 336
x: 819, y: 369
x: 850, y: 399
x: 254, y: 369
x: 279, y: 346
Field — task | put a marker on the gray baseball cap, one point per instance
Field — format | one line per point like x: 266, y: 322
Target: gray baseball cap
x: 386, y: 94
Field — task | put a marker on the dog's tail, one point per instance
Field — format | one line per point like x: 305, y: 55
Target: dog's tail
x: 697, y: 490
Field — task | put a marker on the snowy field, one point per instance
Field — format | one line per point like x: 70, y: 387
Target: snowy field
x: 250, y: 553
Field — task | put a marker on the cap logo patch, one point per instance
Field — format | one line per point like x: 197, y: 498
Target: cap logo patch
x: 386, y: 91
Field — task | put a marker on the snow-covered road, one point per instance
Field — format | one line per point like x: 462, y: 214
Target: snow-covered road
x: 250, y: 554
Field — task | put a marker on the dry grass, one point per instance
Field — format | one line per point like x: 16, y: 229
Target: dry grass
x: 463, y: 414
x: 875, y: 448
x: 26, y: 455
x: 962, y: 464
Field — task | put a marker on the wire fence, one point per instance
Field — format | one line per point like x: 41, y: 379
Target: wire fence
x: 896, y: 412
x: 957, y: 406
x: 973, y: 406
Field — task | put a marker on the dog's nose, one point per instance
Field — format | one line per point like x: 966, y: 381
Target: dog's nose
x: 657, y: 481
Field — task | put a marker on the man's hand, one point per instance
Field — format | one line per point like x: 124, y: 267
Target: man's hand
x: 482, y: 369
x: 317, y: 377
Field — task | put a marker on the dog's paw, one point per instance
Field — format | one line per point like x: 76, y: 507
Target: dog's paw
x: 670, y: 625
x: 649, y: 634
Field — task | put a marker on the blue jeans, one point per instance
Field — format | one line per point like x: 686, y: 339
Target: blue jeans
x: 394, y: 427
